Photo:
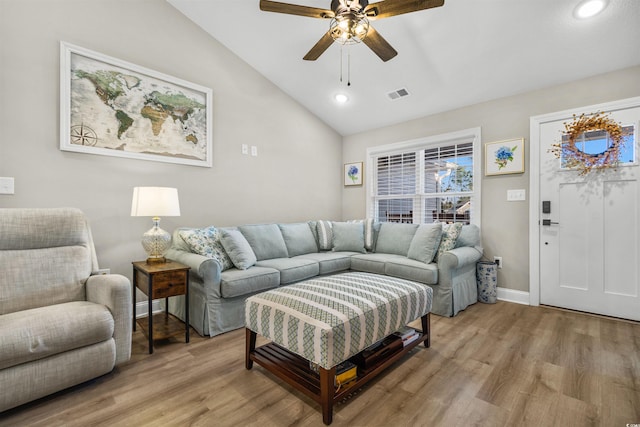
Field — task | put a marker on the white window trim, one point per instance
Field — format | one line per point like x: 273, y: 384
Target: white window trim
x: 473, y: 135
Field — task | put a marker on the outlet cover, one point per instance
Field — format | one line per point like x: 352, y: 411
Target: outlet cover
x: 7, y: 185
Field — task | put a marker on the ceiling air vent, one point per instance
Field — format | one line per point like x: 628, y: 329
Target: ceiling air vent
x: 397, y: 94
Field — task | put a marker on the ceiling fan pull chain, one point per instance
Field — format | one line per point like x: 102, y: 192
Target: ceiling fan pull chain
x: 348, y: 67
x: 341, y: 63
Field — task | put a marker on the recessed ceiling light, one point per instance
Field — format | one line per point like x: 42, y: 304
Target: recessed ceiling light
x: 341, y: 98
x: 589, y: 8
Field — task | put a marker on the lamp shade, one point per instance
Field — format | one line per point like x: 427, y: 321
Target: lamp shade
x: 155, y: 201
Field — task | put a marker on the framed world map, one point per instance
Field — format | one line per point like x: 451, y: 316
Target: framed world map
x: 115, y: 108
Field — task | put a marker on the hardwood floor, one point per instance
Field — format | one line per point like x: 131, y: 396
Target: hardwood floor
x: 492, y: 365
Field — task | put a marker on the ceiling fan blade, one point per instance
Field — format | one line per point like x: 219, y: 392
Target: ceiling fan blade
x: 387, y: 8
x: 295, y: 9
x: 319, y: 48
x: 379, y: 45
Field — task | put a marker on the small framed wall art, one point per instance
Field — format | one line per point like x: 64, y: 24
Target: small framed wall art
x: 504, y: 157
x: 353, y: 173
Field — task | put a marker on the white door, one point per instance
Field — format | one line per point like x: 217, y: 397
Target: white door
x: 589, y: 254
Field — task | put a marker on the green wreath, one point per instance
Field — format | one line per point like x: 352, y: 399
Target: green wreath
x: 584, y: 162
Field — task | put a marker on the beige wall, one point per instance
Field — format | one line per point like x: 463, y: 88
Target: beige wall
x: 297, y: 175
x: 505, y: 224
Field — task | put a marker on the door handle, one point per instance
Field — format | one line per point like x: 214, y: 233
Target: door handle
x: 549, y: 222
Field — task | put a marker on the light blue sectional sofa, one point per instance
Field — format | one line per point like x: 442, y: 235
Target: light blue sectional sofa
x: 230, y: 264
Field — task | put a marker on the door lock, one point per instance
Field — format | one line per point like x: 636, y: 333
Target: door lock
x: 549, y: 222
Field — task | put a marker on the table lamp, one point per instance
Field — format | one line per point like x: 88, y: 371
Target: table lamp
x: 155, y: 202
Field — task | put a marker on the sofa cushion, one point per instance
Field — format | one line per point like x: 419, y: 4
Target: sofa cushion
x: 410, y: 269
x: 348, y: 236
x: 292, y: 269
x: 37, y: 333
x: 313, y: 225
x: 372, y: 263
x: 207, y: 242
x: 469, y: 236
x: 266, y: 240
x: 424, y: 244
x: 450, y: 233
x: 238, y: 248
x: 395, y: 238
x: 331, y: 262
x: 371, y: 229
x: 234, y: 283
x: 325, y: 235
x: 298, y: 238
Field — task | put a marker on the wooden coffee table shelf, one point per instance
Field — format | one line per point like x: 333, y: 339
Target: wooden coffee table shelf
x: 295, y: 370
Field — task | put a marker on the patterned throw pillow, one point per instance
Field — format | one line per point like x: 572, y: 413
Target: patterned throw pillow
x: 450, y: 233
x: 206, y: 242
x: 325, y: 235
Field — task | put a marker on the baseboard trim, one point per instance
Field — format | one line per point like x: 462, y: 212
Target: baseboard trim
x: 511, y: 295
x: 504, y: 294
x: 142, y: 308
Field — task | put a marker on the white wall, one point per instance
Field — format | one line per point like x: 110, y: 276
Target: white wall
x: 505, y: 224
x: 297, y: 175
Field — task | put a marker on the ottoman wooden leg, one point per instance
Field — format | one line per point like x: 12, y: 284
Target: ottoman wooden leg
x: 426, y: 329
x: 327, y: 377
x: 251, y: 346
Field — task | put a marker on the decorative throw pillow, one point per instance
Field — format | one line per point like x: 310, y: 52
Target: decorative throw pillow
x: 425, y: 242
x: 206, y: 242
x: 238, y: 249
x: 450, y: 233
x: 299, y: 238
x: 348, y: 236
x: 370, y: 229
x: 469, y: 236
x: 325, y: 235
x: 266, y: 240
x: 395, y: 238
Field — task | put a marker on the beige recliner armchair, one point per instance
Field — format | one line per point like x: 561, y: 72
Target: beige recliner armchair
x: 59, y: 325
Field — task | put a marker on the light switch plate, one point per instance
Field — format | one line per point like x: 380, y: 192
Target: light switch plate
x: 7, y: 185
x: 516, y: 195
x: 254, y: 150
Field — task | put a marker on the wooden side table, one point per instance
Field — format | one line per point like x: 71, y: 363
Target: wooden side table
x: 162, y: 280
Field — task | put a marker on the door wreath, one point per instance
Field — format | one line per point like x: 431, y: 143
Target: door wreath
x: 574, y: 157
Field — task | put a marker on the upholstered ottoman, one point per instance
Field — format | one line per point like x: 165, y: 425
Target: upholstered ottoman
x: 326, y: 321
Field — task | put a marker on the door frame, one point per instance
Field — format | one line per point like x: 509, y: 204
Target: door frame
x: 535, y: 207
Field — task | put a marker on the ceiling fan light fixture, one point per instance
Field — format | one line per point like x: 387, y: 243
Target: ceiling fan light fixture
x: 350, y: 21
x: 349, y: 28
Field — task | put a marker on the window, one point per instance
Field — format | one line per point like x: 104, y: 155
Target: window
x: 598, y: 141
x: 433, y: 179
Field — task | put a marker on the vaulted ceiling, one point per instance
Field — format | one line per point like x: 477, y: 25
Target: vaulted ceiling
x: 463, y: 53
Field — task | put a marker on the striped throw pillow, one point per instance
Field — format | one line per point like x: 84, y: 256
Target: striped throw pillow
x: 325, y: 235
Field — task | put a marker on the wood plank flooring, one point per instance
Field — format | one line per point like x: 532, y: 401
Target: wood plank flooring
x: 492, y: 365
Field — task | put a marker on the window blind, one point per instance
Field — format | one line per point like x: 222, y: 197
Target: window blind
x: 425, y: 184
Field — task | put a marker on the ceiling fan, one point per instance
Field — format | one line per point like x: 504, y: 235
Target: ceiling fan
x: 350, y: 21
